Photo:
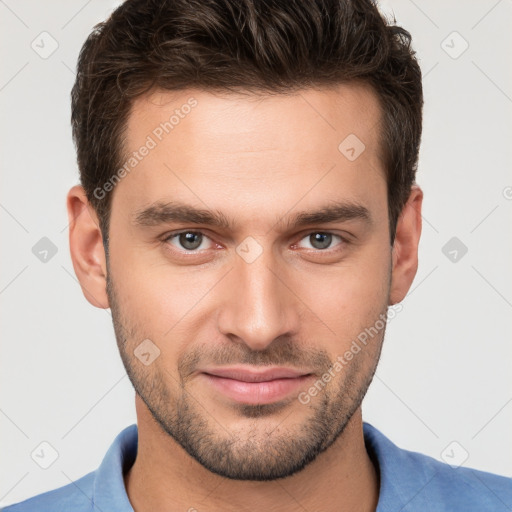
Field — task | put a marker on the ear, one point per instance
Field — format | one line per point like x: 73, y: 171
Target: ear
x: 86, y: 246
x: 405, y: 246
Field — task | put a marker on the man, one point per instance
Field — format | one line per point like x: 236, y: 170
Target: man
x: 248, y: 210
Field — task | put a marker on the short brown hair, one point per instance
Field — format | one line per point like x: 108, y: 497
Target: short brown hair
x: 261, y: 45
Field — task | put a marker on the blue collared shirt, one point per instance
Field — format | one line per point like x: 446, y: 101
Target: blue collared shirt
x: 409, y: 481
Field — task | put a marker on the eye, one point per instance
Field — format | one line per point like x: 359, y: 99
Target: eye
x: 188, y: 240
x: 321, y: 240
x: 195, y: 241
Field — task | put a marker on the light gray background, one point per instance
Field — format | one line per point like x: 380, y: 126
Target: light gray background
x: 446, y: 365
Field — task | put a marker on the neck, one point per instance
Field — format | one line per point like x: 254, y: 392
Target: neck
x: 164, y: 477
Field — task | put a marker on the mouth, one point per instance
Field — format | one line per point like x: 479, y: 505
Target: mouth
x: 254, y: 386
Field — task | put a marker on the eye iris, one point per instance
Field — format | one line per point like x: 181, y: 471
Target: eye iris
x: 190, y: 240
x: 322, y: 239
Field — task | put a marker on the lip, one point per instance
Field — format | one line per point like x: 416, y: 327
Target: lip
x: 251, y: 386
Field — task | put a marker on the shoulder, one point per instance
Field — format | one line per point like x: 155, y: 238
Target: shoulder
x: 419, y: 482
x: 102, y: 489
x: 457, y: 488
x: 76, y: 496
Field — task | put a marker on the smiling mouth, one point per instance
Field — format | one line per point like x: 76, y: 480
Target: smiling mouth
x: 250, y: 386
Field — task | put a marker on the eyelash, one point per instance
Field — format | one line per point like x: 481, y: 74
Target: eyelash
x: 172, y: 236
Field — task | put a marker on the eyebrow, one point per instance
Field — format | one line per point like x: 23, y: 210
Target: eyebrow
x: 161, y: 212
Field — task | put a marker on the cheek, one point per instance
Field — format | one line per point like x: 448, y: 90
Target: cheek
x: 348, y: 298
x: 163, y: 301
x: 353, y: 287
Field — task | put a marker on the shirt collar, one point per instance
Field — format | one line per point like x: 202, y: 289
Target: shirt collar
x: 401, y: 479
x: 109, y: 491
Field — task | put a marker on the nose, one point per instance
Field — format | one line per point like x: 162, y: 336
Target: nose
x: 259, y: 304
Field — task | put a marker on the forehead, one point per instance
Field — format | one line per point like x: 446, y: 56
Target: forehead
x: 233, y: 150
x: 256, y: 118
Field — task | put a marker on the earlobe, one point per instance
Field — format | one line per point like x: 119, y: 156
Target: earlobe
x: 405, y: 246
x: 86, y: 246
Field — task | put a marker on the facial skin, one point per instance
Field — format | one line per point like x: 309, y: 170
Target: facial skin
x: 259, y: 161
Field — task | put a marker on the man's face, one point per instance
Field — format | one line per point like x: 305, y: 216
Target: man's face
x: 259, y: 291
